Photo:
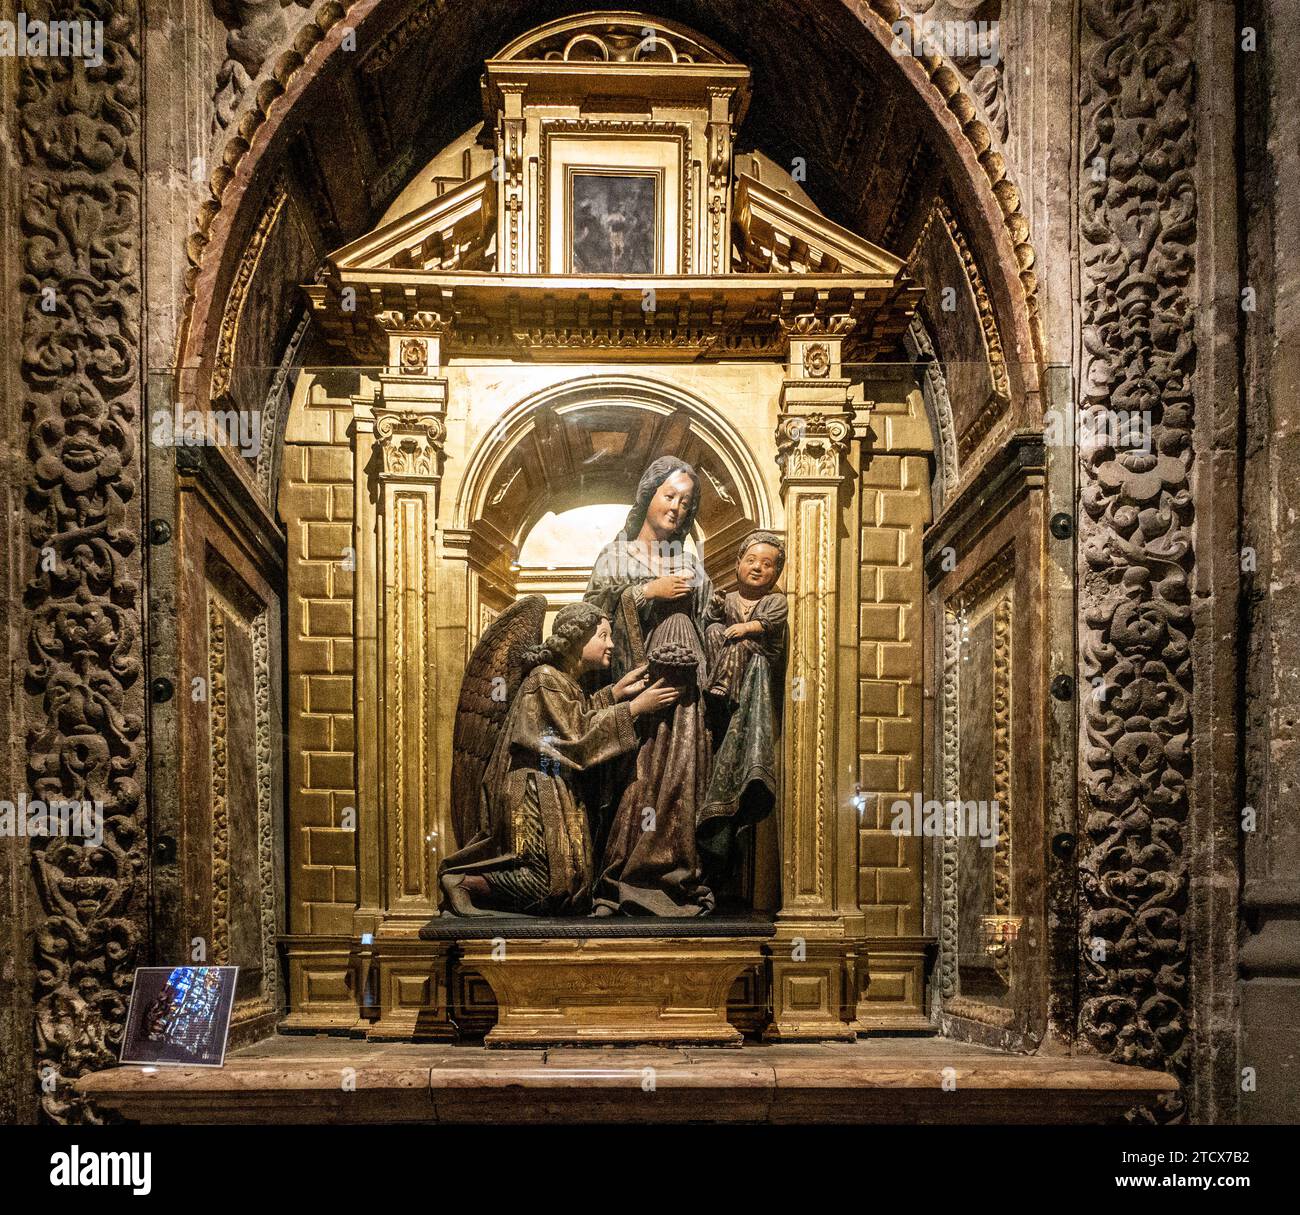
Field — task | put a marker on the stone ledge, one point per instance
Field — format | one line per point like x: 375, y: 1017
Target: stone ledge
x: 301, y: 1080
x: 641, y: 928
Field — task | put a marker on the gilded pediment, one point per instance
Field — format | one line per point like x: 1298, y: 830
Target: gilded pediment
x: 774, y: 234
x: 611, y: 220
x: 454, y: 231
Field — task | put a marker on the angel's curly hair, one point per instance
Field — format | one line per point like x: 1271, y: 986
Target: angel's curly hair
x: 573, y: 627
x: 656, y: 473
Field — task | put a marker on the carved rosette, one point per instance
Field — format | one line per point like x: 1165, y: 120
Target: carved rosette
x: 84, y: 702
x: 813, y: 445
x: 410, y: 443
x: 1135, y: 531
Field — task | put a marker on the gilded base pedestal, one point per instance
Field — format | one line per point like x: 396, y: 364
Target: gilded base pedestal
x: 580, y: 991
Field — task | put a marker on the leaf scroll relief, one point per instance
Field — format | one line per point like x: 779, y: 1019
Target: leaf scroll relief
x: 1138, y: 227
x: 83, y: 703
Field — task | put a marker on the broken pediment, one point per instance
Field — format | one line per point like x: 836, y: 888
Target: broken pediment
x: 454, y: 231
x: 775, y: 234
x: 610, y: 220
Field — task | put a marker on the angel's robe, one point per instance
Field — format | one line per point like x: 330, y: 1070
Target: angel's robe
x: 535, y: 852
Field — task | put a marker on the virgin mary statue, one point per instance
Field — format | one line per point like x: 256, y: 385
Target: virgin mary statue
x: 655, y: 593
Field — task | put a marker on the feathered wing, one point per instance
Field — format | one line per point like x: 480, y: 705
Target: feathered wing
x: 495, y: 666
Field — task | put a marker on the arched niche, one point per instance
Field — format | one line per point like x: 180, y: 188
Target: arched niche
x: 588, y: 440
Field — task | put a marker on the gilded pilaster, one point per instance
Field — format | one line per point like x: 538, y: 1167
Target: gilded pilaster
x: 409, y: 437
x: 813, y: 957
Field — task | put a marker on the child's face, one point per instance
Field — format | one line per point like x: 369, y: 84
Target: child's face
x: 757, y: 567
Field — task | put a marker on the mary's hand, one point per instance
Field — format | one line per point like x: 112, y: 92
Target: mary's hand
x: 669, y: 586
x: 633, y: 682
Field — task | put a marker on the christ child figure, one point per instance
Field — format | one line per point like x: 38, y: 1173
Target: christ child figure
x: 749, y: 622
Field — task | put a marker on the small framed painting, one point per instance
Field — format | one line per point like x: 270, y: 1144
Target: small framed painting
x: 179, y: 1016
x: 613, y: 222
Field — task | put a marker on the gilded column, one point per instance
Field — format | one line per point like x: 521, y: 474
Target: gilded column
x: 813, y: 953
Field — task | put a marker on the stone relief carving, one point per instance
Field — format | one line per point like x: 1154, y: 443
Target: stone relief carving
x: 981, y: 129
x: 1138, y: 231
x: 83, y: 709
x: 276, y: 70
x: 256, y: 29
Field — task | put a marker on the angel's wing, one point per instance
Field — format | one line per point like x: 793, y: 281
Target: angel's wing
x: 492, y: 677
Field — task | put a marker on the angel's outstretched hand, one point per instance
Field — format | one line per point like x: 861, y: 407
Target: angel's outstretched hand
x: 632, y: 683
x: 658, y: 695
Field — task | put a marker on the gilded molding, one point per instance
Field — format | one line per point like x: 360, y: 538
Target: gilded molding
x: 917, y: 343
x: 619, y: 126
x: 1138, y: 236
x: 219, y: 746
x: 1002, y: 769
x: 266, y: 864
x: 950, y: 782
x: 228, y: 334
x: 275, y: 408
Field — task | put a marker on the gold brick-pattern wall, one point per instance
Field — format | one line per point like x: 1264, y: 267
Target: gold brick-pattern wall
x: 316, y: 504
x: 895, y: 508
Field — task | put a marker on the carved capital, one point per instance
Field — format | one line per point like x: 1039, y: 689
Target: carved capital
x: 410, y: 443
x: 397, y: 323
x: 810, y: 446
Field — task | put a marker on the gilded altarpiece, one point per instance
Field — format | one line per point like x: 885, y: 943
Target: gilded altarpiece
x: 501, y: 383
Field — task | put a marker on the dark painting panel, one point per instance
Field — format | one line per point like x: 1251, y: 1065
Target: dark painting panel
x: 612, y: 220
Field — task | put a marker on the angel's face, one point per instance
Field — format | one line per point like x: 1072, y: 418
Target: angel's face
x: 670, y: 505
x: 599, y: 648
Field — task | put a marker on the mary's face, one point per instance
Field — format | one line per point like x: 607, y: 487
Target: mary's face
x: 670, y: 505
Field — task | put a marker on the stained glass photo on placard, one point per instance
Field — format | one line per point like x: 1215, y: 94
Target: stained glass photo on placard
x: 179, y: 1015
x: 613, y: 223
